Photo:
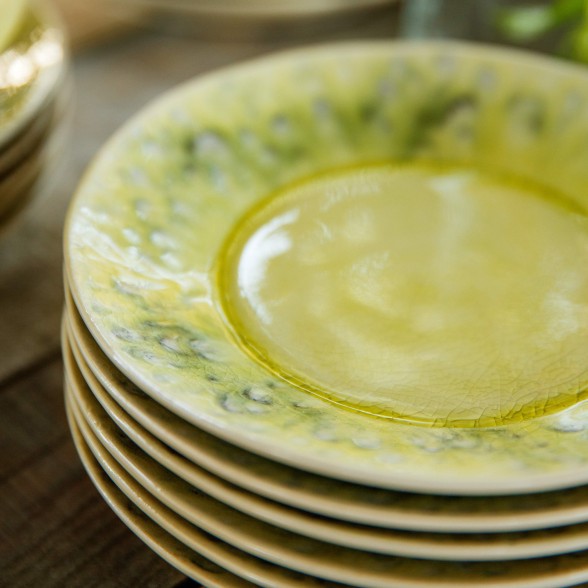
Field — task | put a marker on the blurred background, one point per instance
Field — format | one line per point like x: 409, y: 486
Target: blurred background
x: 113, y: 58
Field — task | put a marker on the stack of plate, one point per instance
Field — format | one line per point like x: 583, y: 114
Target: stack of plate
x: 32, y: 99
x: 213, y: 428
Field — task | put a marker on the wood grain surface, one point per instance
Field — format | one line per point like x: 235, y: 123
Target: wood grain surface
x: 55, y: 530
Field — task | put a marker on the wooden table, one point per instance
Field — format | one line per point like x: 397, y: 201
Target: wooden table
x: 55, y: 530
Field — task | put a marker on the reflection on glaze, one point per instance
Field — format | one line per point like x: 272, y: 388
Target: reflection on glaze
x: 438, y: 295
x: 269, y: 242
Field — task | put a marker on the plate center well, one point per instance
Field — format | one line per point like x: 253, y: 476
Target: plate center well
x: 443, y: 296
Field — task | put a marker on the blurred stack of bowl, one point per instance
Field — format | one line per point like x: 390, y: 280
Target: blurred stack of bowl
x: 34, y: 95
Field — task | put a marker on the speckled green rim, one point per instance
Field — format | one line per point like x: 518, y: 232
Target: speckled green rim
x: 265, y: 416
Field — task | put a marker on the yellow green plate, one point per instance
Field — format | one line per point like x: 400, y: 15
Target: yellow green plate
x: 451, y: 357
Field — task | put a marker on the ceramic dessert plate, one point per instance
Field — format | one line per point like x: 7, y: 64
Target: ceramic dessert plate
x: 13, y: 12
x: 27, y: 178
x: 338, y: 500
x: 147, y: 468
x: 319, y: 257
x: 325, y: 560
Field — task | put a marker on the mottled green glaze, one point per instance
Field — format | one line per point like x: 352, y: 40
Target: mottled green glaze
x: 151, y: 216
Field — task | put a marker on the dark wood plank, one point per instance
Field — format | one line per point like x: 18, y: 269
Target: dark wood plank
x: 30, y: 289
x: 55, y: 530
x: 32, y: 416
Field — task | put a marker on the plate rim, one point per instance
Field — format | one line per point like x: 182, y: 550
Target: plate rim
x: 512, y: 520
x: 94, y: 469
x: 506, y: 549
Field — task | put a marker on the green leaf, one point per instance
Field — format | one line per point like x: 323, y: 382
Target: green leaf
x: 525, y: 24
x: 566, y: 10
x: 579, y: 44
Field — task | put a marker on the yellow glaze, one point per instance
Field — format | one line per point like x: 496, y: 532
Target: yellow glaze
x: 445, y: 296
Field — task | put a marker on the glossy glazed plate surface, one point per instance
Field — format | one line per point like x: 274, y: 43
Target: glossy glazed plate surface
x: 178, y: 496
x: 339, y: 500
x: 555, y: 571
x: 13, y: 12
x: 146, y: 226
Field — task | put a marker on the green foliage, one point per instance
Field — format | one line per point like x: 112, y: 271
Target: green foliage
x: 526, y: 24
